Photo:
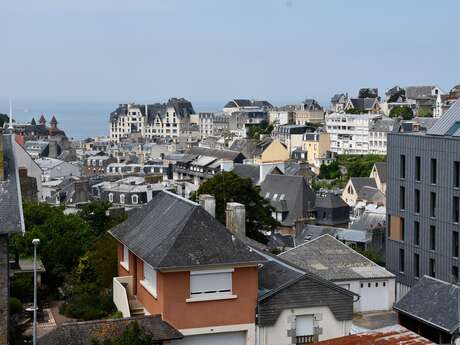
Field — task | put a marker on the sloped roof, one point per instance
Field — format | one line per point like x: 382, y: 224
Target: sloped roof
x: 11, y: 216
x: 333, y: 260
x: 363, y: 103
x: 330, y: 200
x: 447, y: 122
x: 419, y: 92
x: 393, y: 335
x: 83, y: 333
x: 382, y: 171
x: 221, y: 154
x: 437, y: 296
x: 173, y: 232
x: 369, y: 220
x: 361, y: 182
x: 294, y: 189
x: 248, y: 171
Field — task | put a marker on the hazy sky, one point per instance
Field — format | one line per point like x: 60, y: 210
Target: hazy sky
x: 281, y: 50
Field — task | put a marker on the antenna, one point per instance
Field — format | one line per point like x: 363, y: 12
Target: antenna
x: 10, y: 126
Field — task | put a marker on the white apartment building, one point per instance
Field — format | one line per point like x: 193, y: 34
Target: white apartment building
x: 169, y: 119
x: 206, y: 124
x: 281, y: 116
x: 378, y: 135
x: 349, y: 133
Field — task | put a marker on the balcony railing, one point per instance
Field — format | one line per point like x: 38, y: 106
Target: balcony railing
x: 305, y: 339
x: 122, y: 288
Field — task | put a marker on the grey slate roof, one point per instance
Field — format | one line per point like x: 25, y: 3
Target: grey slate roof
x: 439, y: 307
x: 446, y: 123
x: 173, y: 232
x: 221, y: 154
x: 369, y: 220
x: 82, y: 333
x: 333, y: 260
x: 250, y: 148
x: 419, y: 92
x: 11, y: 216
x: 360, y: 182
x: 294, y: 189
x: 382, y: 171
x: 330, y: 200
x: 363, y: 103
x: 273, y: 275
x: 247, y: 171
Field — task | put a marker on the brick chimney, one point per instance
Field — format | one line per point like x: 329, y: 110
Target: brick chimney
x: 208, y: 202
x: 236, y: 219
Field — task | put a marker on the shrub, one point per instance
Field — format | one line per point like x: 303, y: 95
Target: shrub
x: 15, y: 305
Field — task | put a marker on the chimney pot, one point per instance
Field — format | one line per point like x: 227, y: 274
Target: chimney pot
x: 208, y: 202
x: 236, y: 219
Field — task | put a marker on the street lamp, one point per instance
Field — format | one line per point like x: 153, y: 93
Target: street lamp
x: 35, y: 243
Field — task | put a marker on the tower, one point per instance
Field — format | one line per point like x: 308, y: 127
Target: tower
x: 53, y: 122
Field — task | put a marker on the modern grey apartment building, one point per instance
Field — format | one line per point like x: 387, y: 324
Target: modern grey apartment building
x: 423, y: 202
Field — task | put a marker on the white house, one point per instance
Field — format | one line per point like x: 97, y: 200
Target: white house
x: 335, y: 261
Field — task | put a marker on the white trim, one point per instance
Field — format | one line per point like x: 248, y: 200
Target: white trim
x: 125, y: 265
x: 148, y: 288
x: 210, y: 298
x: 249, y: 328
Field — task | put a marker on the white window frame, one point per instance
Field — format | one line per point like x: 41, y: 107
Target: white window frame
x: 135, y: 199
x: 122, y: 198
x: 149, y: 280
x: 110, y: 197
x: 125, y: 258
x: 198, y: 293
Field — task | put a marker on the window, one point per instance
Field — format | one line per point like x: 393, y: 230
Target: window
x: 432, y: 268
x: 416, y: 265
x: 125, y: 259
x: 402, y: 198
x: 122, y: 198
x: 149, y: 281
x: 111, y: 197
x: 432, y: 237
x: 455, y: 209
x: 213, y: 283
x: 304, y: 329
x: 384, y: 284
x: 417, y: 201
x: 402, y: 166
x: 417, y: 168
x: 455, y: 244
x: 416, y: 233
x: 455, y: 274
x: 456, y: 174
x: 368, y: 285
x: 433, y: 170
x: 432, y: 204
x: 135, y: 199
x: 401, y: 260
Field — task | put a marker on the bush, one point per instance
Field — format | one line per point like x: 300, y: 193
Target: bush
x: 15, y: 305
x: 403, y: 112
x: 22, y: 287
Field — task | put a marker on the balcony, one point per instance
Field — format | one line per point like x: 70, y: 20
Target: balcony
x: 306, y: 339
x: 124, y: 299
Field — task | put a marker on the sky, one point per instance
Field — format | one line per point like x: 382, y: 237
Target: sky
x: 215, y: 50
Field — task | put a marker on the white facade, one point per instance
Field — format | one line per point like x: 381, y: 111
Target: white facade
x: 171, y: 125
x: 321, y: 317
x: 280, y: 117
x: 349, y: 133
x: 378, y: 142
x: 134, y: 121
x: 55, y: 169
x: 206, y: 124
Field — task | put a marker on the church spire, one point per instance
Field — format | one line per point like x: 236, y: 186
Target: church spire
x: 10, y: 126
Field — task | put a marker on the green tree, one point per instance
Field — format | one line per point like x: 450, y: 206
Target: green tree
x: 133, y: 334
x: 359, y: 165
x: 425, y: 111
x: 255, y: 131
x: 405, y: 113
x: 3, y: 119
x: 355, y: 111
x: 229, y: 187
x: 96, y: 215
x: 330, y: 172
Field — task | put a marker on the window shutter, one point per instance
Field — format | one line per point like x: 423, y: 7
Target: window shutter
x: 210, y: 283
x: 304, y: 325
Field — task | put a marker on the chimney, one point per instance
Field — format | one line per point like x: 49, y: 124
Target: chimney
x: 53, y: 149
x: 208, y: 202
x: 236, y: 219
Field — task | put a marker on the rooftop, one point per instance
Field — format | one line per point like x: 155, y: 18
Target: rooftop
x: 333, y: 260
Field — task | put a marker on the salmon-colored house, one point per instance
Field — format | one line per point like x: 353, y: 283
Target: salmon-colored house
x: 177, y: 261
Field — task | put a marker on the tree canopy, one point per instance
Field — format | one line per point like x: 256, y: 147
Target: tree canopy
x: 355, y: 111
x: 359, y: 165
x: 425, y: 111
x: 229, y: 187
x: 4, y: 119
x: 405, y: 113
x: 255, y: 131
x: 330, y: 172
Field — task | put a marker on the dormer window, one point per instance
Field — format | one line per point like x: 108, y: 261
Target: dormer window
x: 111, y: 197
x: 135, y: 199
x: 122, y: 198
x: 210, y: 285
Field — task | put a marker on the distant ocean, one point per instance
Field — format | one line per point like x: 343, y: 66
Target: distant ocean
x: 78, y: 119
